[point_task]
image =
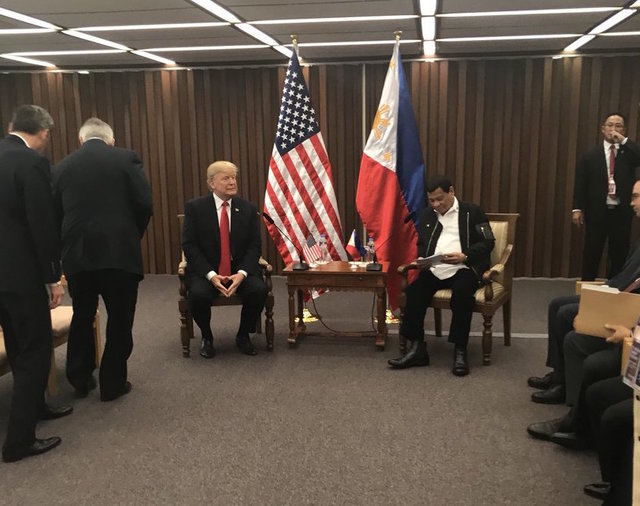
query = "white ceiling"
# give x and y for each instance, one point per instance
(83, 13)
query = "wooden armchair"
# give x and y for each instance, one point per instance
(496, 286)
(186, 320)
(60, 323)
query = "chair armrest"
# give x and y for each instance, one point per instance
(265, 266)
(492, 273)
(403, 270)
(182, 266)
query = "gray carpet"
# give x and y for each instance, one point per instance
(324, 423)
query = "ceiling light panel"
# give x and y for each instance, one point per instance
(428, 25)
(29, 20)
(161, 26)
(217, 10)
(612, 21)
(281, 9)
(29, 61)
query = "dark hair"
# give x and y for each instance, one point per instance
(624, 119)
(438, 181)
(31, 119)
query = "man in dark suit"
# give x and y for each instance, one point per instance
(104, 204)
(459, 231)
(221, 240)
(29, 277)
(560, 384)
(604, 177)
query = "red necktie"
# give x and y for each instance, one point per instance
(225, 250)
(612, 165)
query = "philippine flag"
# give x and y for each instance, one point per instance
(390, 195)
(354, 246)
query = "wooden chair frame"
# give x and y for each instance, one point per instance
(488, 308)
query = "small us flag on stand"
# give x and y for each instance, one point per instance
(300, 196)
(311, 251)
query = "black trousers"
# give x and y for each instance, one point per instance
(26, 323)
(561, 312)
(601, 365)
(119, 291)
(616, 229)
(463, 285)
(201, 293)
(610, 405)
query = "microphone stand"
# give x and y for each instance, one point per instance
(301, 265)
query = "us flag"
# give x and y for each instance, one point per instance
(311, 251)
(300, 196)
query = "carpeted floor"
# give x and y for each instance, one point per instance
(324, 423)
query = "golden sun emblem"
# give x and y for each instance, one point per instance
(380, 123)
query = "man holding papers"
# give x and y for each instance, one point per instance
(562, 312)
(458, 237)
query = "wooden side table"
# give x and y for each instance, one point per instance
(337, 276)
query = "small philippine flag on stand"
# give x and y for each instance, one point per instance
(354, 246)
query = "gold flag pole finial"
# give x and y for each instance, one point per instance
(294, 41)
(398, 35)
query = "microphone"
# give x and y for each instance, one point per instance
(297, 266)
(375, 266)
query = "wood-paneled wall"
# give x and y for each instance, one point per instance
(508, 132)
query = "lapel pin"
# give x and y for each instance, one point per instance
(236, 209)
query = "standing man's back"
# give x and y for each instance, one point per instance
(104, 202)
(29, 262)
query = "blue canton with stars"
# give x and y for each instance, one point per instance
(297, 120)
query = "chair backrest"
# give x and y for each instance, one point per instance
(503, 226)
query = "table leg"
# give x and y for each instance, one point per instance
(292, 317)
(381, 296)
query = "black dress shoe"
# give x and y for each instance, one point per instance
(206, 348)
(245, 346)
(570, 440)
(599, 490)
(544, 430)
(460, 363)
(542, 383)
(113, 396)
(36, 448)
(553, 395)
(51, 413)
(82, 390)
(417, 356)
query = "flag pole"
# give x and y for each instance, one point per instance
(294, 41)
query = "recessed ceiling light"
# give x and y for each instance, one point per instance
(30, 61)
(256, 34)
(154, 57)
(428, 7)
(97, 40)
(284, 50)
(217, 10)
(613, 20)
(165, 26)
(27, 19)
(25, 31)
(511, 37)
(342, 19)
(579, 43)
(428, 27)
(527, 12)
(428, 47)
(204, 48)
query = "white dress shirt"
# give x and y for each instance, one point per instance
(218, 201)
(449, 241)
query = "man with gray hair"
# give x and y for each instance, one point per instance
(104, 204)
(29, 277)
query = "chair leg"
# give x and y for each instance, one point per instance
(506, 316)
(437, 320)
(268, 322)
(186, 331)
(486, 339)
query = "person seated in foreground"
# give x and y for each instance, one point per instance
(562, 312)
(459, 231)
(601, 418)
(221, 241)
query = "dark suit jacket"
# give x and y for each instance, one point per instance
(29, 241)
(201, 236)
(591, 183)
(104, 204)
(476, 237)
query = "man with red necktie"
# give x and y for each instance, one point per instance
(221, 241)
(604, 178)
